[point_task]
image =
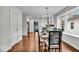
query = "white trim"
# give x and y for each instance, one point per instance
(77, 36)
(73, 45)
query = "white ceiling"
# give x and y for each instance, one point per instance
(39, 11)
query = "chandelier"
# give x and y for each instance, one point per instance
(47, 16)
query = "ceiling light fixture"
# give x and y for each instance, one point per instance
(47, 16)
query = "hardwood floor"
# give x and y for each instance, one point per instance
(30, 43)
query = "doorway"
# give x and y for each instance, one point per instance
(35, 26)
(28, 29)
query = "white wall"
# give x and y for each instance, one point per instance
(54, 21)
(31, 25)
(71, 36)
(42, 23)
(24, 25)
(4, 28)
(68, 29)
(59, 23)
(10, 27)
(76, 27)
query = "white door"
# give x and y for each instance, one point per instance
(13, 25)
(19, 25)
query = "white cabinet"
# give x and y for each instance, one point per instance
(10, 27)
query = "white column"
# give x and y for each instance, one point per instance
(59, 23)
(65, 23)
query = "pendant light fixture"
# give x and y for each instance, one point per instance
(47, 16)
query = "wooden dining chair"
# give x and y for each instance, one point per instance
(41, 43)
(54, 41)
(39, 40)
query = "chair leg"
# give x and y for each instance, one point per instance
(56, 50)
(45, 48)
(48, 49)
(59, 50)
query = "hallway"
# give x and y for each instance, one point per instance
(31, 44)
(17, 21)
(39, 29)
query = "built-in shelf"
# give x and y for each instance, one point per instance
(77, 36)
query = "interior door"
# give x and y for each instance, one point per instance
(28, 27)
(19, 25)
(35, 26)
(13, 25)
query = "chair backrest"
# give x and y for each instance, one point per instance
(55, 29)
(55, 37)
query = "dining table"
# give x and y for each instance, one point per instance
(45, 40)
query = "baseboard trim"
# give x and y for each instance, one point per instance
(71, 47)
(11, 49)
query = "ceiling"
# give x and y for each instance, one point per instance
(39, 11)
